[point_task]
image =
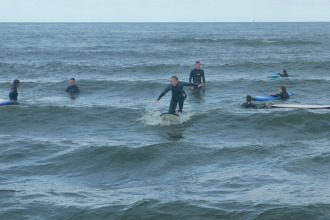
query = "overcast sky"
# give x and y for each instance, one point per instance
(163, 10)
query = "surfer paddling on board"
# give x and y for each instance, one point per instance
(178, 94)
(197, 74)
(249, 104)
(13, 93)
(283, 74)
(282, 93)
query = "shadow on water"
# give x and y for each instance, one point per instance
(73, 96)
(174, 132)
(196, 95)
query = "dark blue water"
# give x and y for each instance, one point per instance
(108, 155)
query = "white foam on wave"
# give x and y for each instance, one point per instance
(152, 117)
(269, 41)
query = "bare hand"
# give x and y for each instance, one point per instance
(200, 85)
(157, 101)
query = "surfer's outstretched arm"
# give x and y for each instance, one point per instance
(168, 88)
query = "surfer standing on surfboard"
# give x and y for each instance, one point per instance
(197, 74)
(178, 94)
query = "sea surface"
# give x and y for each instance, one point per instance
(108, 155)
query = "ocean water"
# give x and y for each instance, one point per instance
(108, 155)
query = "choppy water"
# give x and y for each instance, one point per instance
(108, 155)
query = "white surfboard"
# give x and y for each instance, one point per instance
(302, 106)
(169, 117)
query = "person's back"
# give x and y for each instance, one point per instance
(249, 104)
(284, 73)
(13, 93)
(282, 93)
(73, 88)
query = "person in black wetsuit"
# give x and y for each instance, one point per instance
(282, 93)
(197, 74)
(249, 104)
(178, 94)
(13, 93)
(283, 74)
(73, 88)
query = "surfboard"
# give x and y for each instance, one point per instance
(8, 102)
(267, 97)
(275, 76)
(169, 117)
(302, 106)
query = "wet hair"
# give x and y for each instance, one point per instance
(197, 62)
(248, 98)
(73, 79)
(284, 70)
(175, 77)
(16, 82)
(283, 88)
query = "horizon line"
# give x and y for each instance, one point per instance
(164, 21)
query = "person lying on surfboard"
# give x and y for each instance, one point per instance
(283, 94)
(249, 104)
(283, 74)
(178, 94)
(13, 93)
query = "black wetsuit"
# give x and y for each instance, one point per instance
(13, 94)
(178, 95)
(196, 76)
(249, 105)
(252, 105)
(283, 74)
(72, 89)
(283, 95)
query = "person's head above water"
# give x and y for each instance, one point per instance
(284, 71)
(282, 89)
(248, 99)
(174, 80)
(72, 81)
(16, 83)
(198, 65)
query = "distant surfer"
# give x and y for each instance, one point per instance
(282, 93)
(197, 75)
(283, 74)
(249, 104)
(73, 88)
(13, 93)
(178, 94)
